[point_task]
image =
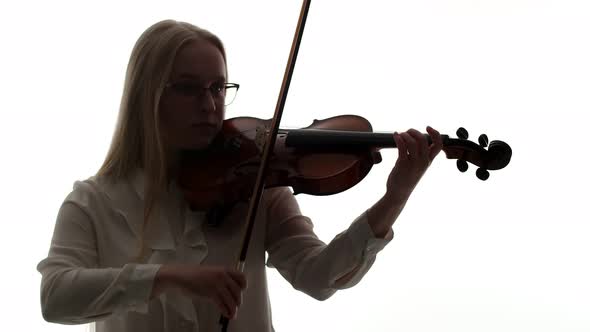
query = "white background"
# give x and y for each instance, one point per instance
(508, 254)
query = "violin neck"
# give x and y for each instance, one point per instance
(333, 139)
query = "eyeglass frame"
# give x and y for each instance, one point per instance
(226, 85)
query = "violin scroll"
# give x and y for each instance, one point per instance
(497, 156)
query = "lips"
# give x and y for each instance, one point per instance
(204, 125)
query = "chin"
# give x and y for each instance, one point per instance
(199, 144)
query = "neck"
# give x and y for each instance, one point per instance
(330, 139)
(172, 164)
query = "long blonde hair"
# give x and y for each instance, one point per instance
(137, 141)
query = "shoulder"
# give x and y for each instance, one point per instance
(95, 192)
(277, 192)
(280, 202)
(84, 191)
(277, 196)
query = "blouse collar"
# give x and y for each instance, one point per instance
(159, 233)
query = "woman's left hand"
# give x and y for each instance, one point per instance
(415, 156)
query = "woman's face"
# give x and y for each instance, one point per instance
(191, 112)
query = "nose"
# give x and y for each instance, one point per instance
(207, 102)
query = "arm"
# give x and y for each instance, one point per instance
(415, 156)
(74, 290)
(310, 265)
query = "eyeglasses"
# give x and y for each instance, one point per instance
(221, 92)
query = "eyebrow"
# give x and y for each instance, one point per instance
(196, 77)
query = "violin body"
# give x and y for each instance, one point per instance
(225, 172)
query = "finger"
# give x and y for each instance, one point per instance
(411, 144)
(401, 146)
(239, 278)
(235, 290)
(226, 297)
(421, 143)
(222, 308)
(437, 143)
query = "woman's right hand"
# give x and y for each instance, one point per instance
(222, 285)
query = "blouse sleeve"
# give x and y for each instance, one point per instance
(310, 265)
(74, 290)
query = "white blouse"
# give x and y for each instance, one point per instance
(89, 274)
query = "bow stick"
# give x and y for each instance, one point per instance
(269, 146)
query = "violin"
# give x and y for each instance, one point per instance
(327, 157)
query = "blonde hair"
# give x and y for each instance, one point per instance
(137, 140)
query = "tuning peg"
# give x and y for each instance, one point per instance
(482, 174)
(462, 133)
(462, 165)
(483, 140)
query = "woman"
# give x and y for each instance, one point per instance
(127, 252)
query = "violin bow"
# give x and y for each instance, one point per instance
(269, 146)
